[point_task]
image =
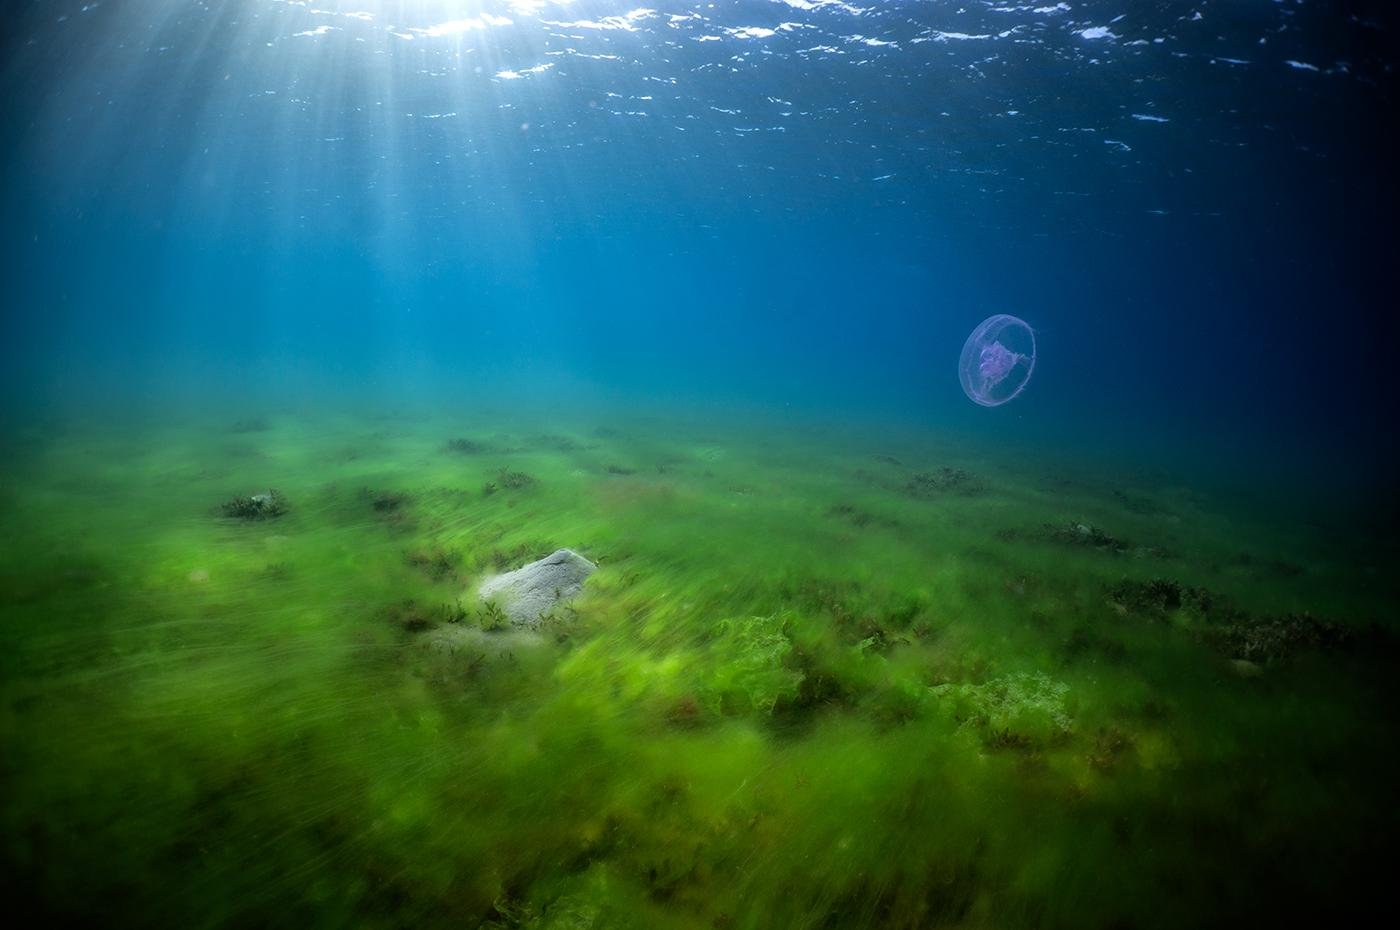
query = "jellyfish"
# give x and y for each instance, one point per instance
(997, 360)
(996, 363)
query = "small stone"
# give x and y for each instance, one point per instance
(1246, 669)
(530, 592)
(261, 506)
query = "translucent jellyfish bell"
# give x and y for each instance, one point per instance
(997, 360)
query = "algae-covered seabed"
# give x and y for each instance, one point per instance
(818, 681)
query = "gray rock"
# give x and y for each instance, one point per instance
(1246, 669)
(528, 593)
(261, 506)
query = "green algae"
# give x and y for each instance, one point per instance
(795, 694)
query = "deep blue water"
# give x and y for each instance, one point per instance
(793, 206)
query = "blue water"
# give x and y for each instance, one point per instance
(319, 316)
(798, 207)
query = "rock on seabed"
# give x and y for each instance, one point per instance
(530, 592)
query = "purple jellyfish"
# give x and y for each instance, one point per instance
(997, 360)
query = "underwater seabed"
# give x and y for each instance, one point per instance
(815, 682)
